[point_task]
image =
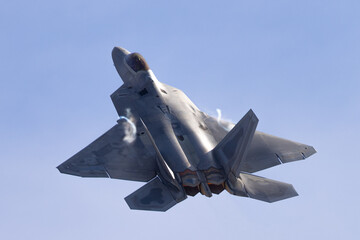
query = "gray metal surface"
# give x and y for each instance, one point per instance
(161, 135)
(232, 150)
(110, 155)
(267, 190)
(265, 150)
(154, 196)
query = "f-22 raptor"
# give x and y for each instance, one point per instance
(163, 139)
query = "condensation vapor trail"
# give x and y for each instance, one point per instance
(219, 115)
(227, 127)
(130, 129)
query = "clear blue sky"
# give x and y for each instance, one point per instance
(295, 63)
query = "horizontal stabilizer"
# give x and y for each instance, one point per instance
(267, 190)
(153, 196)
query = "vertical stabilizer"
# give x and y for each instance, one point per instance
(233, 148)
(231, 152)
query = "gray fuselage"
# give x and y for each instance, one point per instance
(184, 140)
(182, 136)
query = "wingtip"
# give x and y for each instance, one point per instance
(60, 168)
(309, 150)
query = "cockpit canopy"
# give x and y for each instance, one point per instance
(136, 62)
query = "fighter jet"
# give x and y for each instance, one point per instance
(163, 139)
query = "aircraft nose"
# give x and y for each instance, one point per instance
(118, 54)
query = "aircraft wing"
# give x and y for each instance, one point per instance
(112, 156)
(265, 150)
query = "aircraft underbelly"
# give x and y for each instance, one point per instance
(167, 142)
